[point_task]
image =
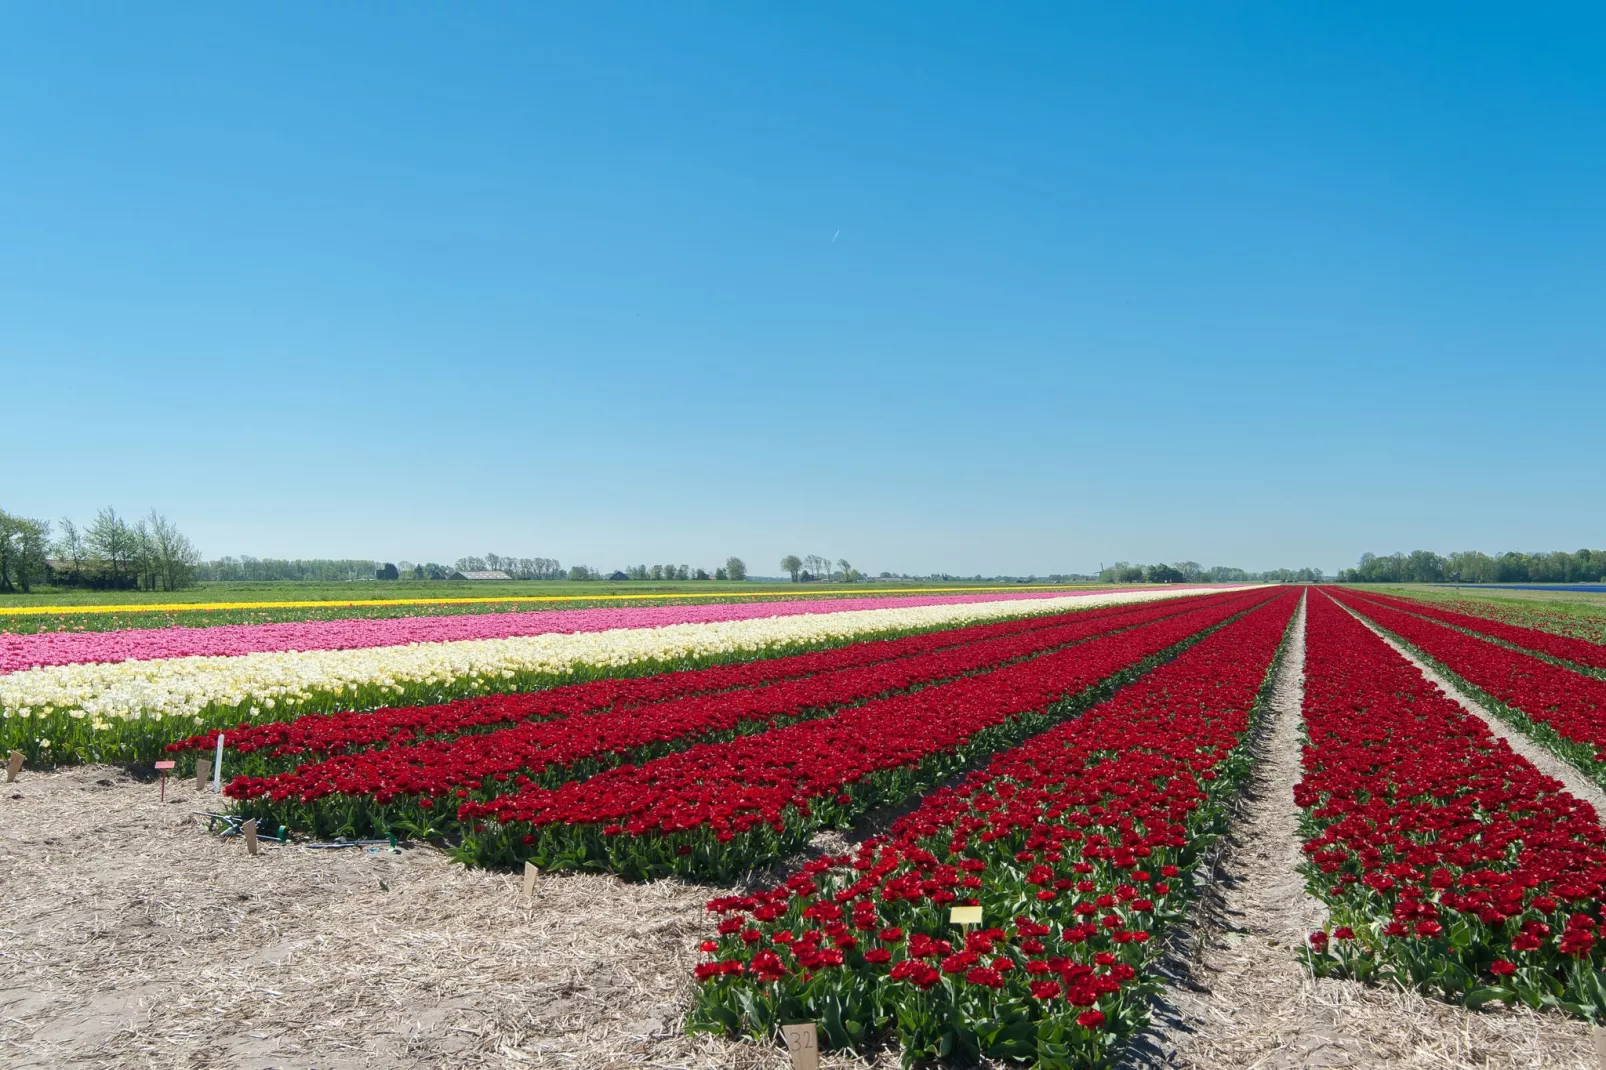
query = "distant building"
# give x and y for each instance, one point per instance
(618, 576)
(491, 574)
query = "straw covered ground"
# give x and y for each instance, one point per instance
(131, 937)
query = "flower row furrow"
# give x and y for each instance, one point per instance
(1580, 651)
(130, 710)
(1570, 705)
(558, 749)
(1449, 863)
(1077, 846)
(718, 809)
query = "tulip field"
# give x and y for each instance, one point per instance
(125, 695)
(839, 777)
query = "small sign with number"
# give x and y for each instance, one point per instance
(250, 830)
(529, 882)
(964, 915)
(803, 1042)
(14, 766)
(203, 772)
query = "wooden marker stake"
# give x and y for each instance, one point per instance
(14, 766)
(250, 830)
(803, 1043)
(1600, 1044)
(529, 882)
(203, 772)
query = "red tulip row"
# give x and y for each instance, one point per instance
(1580, 651)
(717, 810)
(1077, 846)
(1449, 863)
(346, 732)
(555, 750)
(1564, 709)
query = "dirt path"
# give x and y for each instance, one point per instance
(131, 938)
(1245, 1001)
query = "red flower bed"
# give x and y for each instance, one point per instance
(1581, 651)
(1544, 696)
(719, 809)
(551, 751)
(338, 733)
(1078, 847)
(1450, 863)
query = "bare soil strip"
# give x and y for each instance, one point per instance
(131, 938)
(1245, 1001)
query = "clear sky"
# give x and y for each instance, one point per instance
(925, 286)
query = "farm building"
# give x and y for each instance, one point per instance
(488, 574)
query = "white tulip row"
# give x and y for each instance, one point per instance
(288, 680)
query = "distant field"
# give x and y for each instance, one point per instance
(269, 602)
(1565, 612)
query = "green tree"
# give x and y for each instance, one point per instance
(1121, 572)
(173, 557)
(113, 546)
(24, 544)
(70, 548)
(1423, 566)
(736, 568)
(793, 564)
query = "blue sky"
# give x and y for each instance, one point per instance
(926, 286)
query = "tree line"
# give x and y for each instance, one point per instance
(520, 568)
(814, 568)
(517, 568)
(734, 568)
(248, 569)
(109, 553)
(1193, 572)
(1474, 566)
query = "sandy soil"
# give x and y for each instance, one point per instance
(131, 937)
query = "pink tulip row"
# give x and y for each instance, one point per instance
(19, 652)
